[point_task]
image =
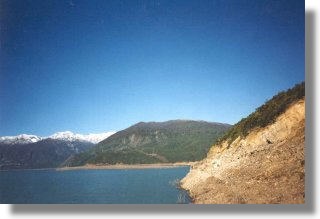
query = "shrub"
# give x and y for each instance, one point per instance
(265, 114)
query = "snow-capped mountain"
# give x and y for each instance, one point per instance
(20, 139)
(31, 151)
(66, 136)
(96, 138)
(70, 136)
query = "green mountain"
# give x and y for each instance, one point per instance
(154, 142)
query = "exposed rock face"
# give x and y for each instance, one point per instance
(267, 166)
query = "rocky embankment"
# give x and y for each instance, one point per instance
(267, 166)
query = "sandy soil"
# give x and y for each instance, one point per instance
(128, 166)
(266, 167)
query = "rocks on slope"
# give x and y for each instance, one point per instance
(267, 166)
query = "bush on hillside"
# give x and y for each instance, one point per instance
(265, 114)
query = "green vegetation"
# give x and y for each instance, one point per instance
(111, 157)
(265, 114)
(155, 142)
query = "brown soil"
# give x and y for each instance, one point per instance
(266, 167)
(128, 166)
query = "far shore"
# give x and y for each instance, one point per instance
(127, 166)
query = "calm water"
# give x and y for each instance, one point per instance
(93, 186)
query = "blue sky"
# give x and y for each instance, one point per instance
(94, 66)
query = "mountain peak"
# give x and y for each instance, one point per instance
(65, 136)
(70, 136)
(20, 139)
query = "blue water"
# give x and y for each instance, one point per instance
(136, 186)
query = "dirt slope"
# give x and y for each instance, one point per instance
(267, 166)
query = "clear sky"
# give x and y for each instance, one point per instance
(94, 66)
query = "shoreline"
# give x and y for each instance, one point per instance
(126, 166)
(111, 167)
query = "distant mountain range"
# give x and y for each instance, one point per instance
(30, 151)
(154, 142)
(65, 136)
(151, 142)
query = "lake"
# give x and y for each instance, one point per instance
(125, 186)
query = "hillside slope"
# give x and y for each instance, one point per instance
(264, 166)
(155, 142)
(47, 153)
